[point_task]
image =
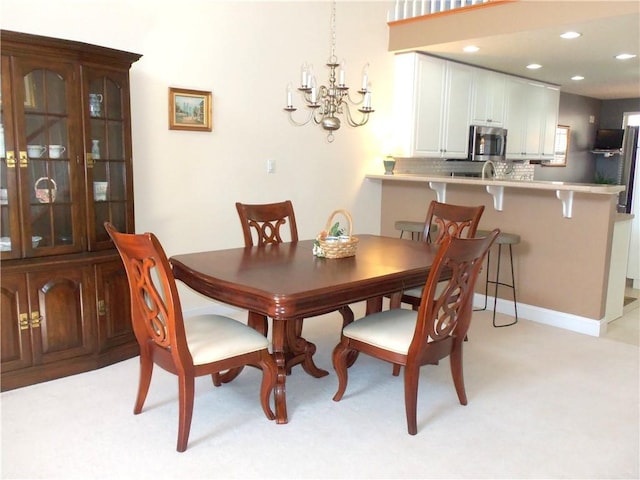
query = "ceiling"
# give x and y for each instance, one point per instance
(512, 34)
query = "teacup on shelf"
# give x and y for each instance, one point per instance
(56, 151)
(36, 151)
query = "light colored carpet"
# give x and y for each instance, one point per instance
(543, 403)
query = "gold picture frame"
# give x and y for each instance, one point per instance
(190, 110)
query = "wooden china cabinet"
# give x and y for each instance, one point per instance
(65, 169)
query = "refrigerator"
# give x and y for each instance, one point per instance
(627, 167)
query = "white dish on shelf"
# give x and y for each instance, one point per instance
(5, 243)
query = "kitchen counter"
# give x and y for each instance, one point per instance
(532, 184)
(571, 237)
(564, 190)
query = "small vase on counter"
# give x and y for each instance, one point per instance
(389, 165)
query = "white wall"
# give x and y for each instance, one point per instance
(186, 183)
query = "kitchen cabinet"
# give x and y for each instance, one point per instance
(488, 98)
(432, 101)
(66, 169)
(532, 117)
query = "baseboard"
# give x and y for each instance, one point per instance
(568, 321)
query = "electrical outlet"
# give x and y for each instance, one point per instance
(271, 166)
(592, 119)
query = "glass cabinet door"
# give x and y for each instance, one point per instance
(109, 176)
(47, 123)
(9, 209)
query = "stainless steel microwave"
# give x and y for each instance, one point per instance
(487, 143)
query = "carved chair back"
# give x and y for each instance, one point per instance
(446, 306)
(266, 221)
(450, 220)
(156, 312)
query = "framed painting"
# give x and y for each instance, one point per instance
(190, 110)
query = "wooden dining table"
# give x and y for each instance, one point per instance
(287, 282)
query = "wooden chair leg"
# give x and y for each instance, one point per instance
(186, 388)
(455, 358)
(396, 369)
(227, 376)
(269, 376)
(146, 371)
(411, 376)
(340, 358)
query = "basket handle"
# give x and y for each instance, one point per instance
(346, 215)
(55, 187)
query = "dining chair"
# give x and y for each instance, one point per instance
(416, 338)
(444, 220)
(187, 347)
(266, 221)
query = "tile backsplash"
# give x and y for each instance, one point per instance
(437, 166)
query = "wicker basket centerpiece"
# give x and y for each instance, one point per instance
(334, 241)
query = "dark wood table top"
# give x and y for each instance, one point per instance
(286, 281)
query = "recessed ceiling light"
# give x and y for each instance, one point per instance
(471, 49)
(625, 56)
(534, 66)
(570, 35)
(577, 77)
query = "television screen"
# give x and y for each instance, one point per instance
(609, 139)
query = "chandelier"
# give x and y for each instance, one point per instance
(326, 102)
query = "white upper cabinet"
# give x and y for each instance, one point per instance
(532, 116)
(455, 136)
(551, 106)
(488, 98)
(432, 101)
(436, 100)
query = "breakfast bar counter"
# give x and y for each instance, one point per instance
(563, 262)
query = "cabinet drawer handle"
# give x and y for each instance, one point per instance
(102, 309)
(24, 321)
(36, 319)
(23, 160)
(11, 159)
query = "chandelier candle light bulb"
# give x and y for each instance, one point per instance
(289, 96)
(365, 77)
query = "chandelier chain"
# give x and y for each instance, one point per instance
(333, 58)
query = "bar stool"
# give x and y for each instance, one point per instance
(416, 228)
(509, 239)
